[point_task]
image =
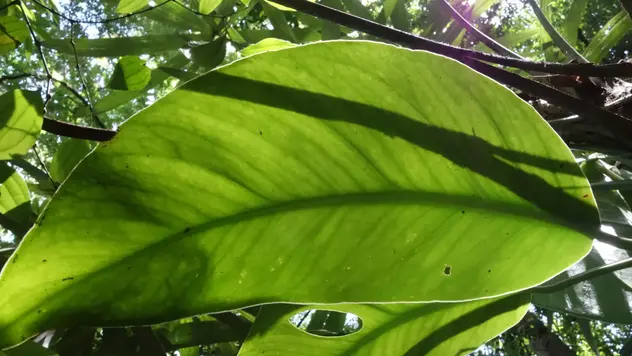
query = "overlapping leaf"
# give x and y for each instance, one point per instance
(15, 202)
(13, 32)
(305, 175)
(20, 122)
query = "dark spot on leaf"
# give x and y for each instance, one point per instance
(126, 166)
(585, 195)
(187, 230)
(15, 258)
(489, 271)
(462, 211)
(39, 311)
(43, 260)
(260, 133)
(128, 268)
(68, 279)
(447, 270)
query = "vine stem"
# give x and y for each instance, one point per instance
(584, 276)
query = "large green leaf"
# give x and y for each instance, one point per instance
(391, 329)
(207, 6)
(13, 32)
(130, 6)
(122, 46)
(20, 122)
(609, 35)
(607, 298)
(211, 54)
(270, 181)
(179, 17)
(130, 73)
(118, 98)
(15, 202)
(69, 153)
(281, 27)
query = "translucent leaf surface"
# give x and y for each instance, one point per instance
(20, 122)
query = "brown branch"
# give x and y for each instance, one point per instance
(415, 42)
(488, 41)
(76, 131)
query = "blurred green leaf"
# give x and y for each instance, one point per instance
(608, 37)
(130, 73)
(68, 155)
(390, 329)
(267, 44)
(574, 20)
(399, 16)
(195, 333)
(207, 6)
(209, 55)
(13, 32)
(179, 17)
(15, 203)
(281, 27)
(130, 6)
(356, 8)
(28, 348)
(118, 98)
(20, 122)
(269, 181)
(122, 46)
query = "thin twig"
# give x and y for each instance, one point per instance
(106, 20)
(81, 78)
(12, 3)
(14, 76)
(582, 277)
(43, 166)
(76, 131)
(560, 41)
(415, 42)
(38, 45)
(488, 41)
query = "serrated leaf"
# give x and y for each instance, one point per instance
(211, 54)
(130, 6)
(267, 44)
(15, 202)
(20, 122)
(67, 156)
(269, 181)
(13, 32)
(404, 329)
(121, 46)
(130, 73)
(608, 37)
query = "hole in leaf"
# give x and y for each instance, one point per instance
(328, 323)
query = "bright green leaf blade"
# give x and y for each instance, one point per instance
(266, 180)
(606, 298)
(130, 73)
(13, 32)
(68, 155)
(15, 202)
(279, 6)
(20, 122)
(207, 6)
(254, 36)
(574, 20)
(608, 37)
(268, 44)
(118, 98)
(130, 6)
(210, 55)
(121, 46)
(391, 329)
(389, 6)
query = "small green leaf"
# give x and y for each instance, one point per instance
(118, 98)
(400, 17)
(355, 7)
(130, 73)
(122, 46)
(15, 202)
(210, 55)
(13, 32)
(281, 27)
(68, 155)
(574, 20)
(20, 122)
(267, 44)
(608, 37)
(130, 6)
(391, 329)
(179, 17)
(207, 6)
